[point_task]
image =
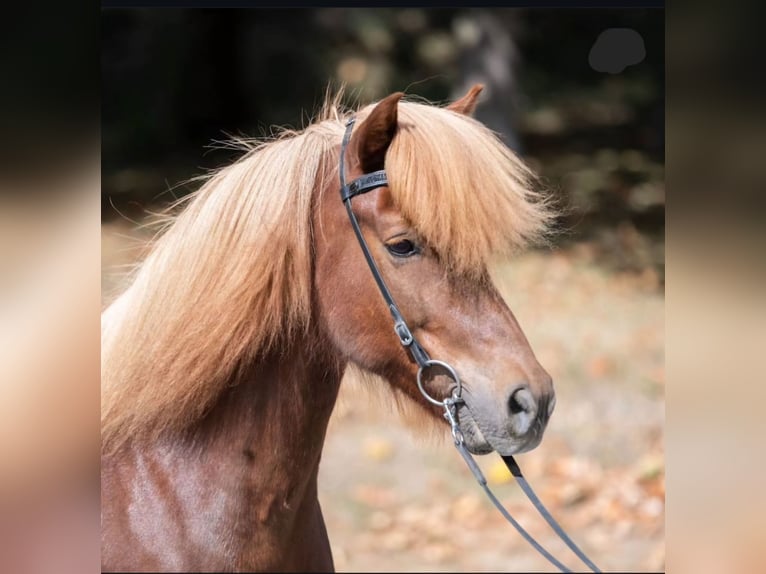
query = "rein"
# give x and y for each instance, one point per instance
(367, 183)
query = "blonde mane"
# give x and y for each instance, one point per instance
(233, 270)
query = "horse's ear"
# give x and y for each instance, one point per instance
(467, 104)
(374, 135)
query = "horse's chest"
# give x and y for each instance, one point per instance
(206, 518)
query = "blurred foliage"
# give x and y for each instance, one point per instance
(176, 81)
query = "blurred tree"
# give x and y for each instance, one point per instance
(174, 81)
(489, 56)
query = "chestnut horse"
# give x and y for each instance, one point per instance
(222, 360)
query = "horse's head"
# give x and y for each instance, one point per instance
(458, 317)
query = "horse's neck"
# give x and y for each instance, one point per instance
(278, 408)
(264, 441)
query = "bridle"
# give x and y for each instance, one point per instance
(369, 182)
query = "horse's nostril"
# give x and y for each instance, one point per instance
(521, 401)
(514, 405)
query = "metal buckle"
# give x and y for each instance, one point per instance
(405, 336)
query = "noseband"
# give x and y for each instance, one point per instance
(369, 182)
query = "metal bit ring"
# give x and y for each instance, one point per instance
(431, 362)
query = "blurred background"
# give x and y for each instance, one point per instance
(592, 305)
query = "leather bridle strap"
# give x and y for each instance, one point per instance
(511, 464)
(361, 185)
(366, 183)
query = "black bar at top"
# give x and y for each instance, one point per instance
(614, 4)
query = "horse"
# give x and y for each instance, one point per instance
(223, 358)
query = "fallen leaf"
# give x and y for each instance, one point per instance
(498, 473)
(378, 449)
(375, 496)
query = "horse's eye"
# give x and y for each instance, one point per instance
(403, 248)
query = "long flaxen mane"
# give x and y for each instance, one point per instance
(234, 269)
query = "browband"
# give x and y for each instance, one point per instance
(366, 183)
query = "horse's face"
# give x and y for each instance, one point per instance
(508, 395)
